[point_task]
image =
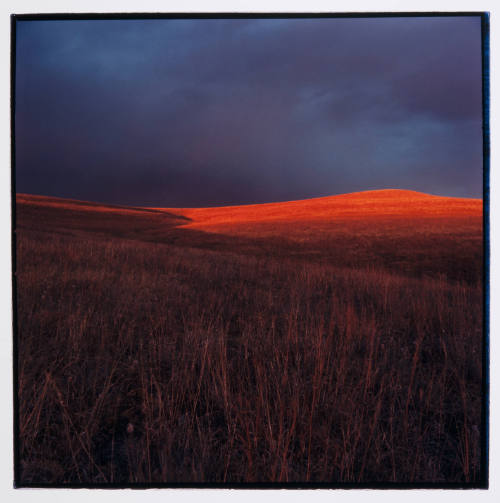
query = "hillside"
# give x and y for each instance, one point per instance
(333, 340)
(401, 231)
(374, 204)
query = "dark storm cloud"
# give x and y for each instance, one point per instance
(207, 112)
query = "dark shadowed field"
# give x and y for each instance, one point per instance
(336, 340)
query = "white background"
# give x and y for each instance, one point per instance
(6, 410)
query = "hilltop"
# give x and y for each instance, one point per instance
(357, 205)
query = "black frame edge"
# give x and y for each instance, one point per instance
(234, 15)
(485, 47)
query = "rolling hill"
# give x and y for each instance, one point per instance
(399, 230)
(332, 340)
(376, 204)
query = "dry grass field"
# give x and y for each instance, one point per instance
(334, 340)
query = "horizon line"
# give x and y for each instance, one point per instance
(138, 206)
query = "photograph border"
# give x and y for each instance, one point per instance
(485, 433)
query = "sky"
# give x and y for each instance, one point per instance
(208, 112)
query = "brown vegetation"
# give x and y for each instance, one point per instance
(182, 346)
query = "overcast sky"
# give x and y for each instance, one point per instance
(212, 112)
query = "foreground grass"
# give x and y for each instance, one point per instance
(144, 362)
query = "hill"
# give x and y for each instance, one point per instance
(334, 340)
(374, 204)
(401, 231)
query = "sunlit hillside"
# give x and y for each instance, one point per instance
(366, 205)
(334, 340)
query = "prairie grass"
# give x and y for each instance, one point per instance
(143, 361)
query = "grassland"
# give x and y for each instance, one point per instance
(335, 340)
